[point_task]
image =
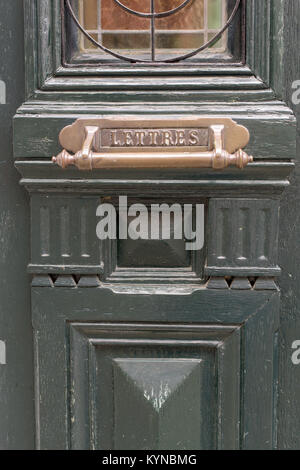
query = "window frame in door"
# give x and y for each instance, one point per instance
(46, 71)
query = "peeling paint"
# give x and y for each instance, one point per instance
(2, 92)
(159, 396)
(6, 230)
(2, 353)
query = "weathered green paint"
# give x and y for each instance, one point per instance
(16, 376)
(270, 123)
(289, 374)
(210, 319)
(96, 313)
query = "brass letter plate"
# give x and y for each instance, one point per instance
(153, 143)
(151, 138)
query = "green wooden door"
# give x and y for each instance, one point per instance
(141, 343)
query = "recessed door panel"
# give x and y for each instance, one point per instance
(142, 381)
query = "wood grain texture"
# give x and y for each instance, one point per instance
(289, 375)
(245, 236)
(16, 376)
(271, 125)
(256, 94)
(209, 317)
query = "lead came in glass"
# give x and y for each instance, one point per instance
(152, 30)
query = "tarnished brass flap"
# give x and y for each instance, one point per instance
(139, 135)
(123, 143)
